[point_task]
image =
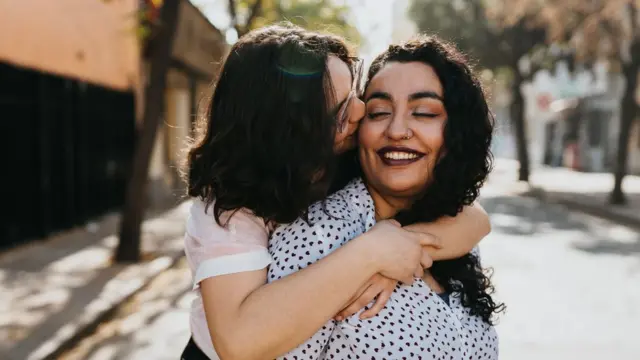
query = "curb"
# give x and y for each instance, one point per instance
(62, 340)
(609, 213)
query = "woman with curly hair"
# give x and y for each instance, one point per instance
(286, 102)
(423, 151)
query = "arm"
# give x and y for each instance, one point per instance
(280, 315)
(459, 234)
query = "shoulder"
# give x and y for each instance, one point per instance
(336, 212)
(213, 250)
(241, 225)
(330, 224)
(350, 202)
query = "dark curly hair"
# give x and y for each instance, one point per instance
(267, 142)
(461, 171)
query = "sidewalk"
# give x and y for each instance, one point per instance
(586, 192)
(55, 291)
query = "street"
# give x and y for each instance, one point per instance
(571, 283)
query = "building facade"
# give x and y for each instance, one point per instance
(72, 80)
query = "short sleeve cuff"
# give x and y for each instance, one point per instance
(232, 264)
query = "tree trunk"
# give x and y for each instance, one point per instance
(627, 116)
(133, 212)
(517, 117)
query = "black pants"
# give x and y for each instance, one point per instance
(193, 352)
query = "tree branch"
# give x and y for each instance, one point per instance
(253, 14)
(633, 13)
(234, 15)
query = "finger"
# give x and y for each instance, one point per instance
(350, 310)
(409, 279)
(351, 303)
(380, 303)
(394, 222)
(430, 240)
(426, 261)
(419, 271)
(365, 299)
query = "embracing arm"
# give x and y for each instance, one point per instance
(459, 234)
(278, 316)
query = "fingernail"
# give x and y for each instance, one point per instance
(339, 318)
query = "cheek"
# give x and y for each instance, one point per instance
(367, 135)
(357, 110)
(432, 135)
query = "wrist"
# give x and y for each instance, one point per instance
(368, 252)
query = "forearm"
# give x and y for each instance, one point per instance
(280, 315)
(459, 234)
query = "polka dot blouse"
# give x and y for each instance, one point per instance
(415, 324)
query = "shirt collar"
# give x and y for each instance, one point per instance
(361, 201)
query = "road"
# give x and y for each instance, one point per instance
(571, 283)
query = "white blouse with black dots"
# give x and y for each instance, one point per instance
(415, 324)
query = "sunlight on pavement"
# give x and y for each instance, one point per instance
(152, 325)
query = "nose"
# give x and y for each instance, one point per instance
(357, 111)
(397, 128)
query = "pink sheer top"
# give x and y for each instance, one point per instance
(213, 250)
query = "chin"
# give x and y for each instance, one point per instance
(403, 188)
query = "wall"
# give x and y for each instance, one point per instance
(90, 40)
(198, 44)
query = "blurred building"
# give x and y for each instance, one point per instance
(71, 88)
(574, 119)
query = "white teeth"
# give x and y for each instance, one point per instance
(399, 155)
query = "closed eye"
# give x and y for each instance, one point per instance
(427, 115)
(373, 115)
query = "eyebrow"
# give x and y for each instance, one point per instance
(379, 95)
(415, 96)
(425, 94)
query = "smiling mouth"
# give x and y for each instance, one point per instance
(399, 156)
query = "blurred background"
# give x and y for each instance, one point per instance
(98, 97)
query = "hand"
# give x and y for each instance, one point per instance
(398, 252)
(432, 283)
(379, 288)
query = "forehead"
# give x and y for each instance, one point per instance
(403, 79)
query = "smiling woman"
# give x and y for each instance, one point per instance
(401, 136)
(423, 149)
(431, 104)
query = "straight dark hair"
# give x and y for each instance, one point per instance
(267, 142)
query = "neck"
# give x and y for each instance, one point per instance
(387, 207)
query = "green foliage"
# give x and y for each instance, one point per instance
(318, 15)
(451, 20)
(490, 31)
